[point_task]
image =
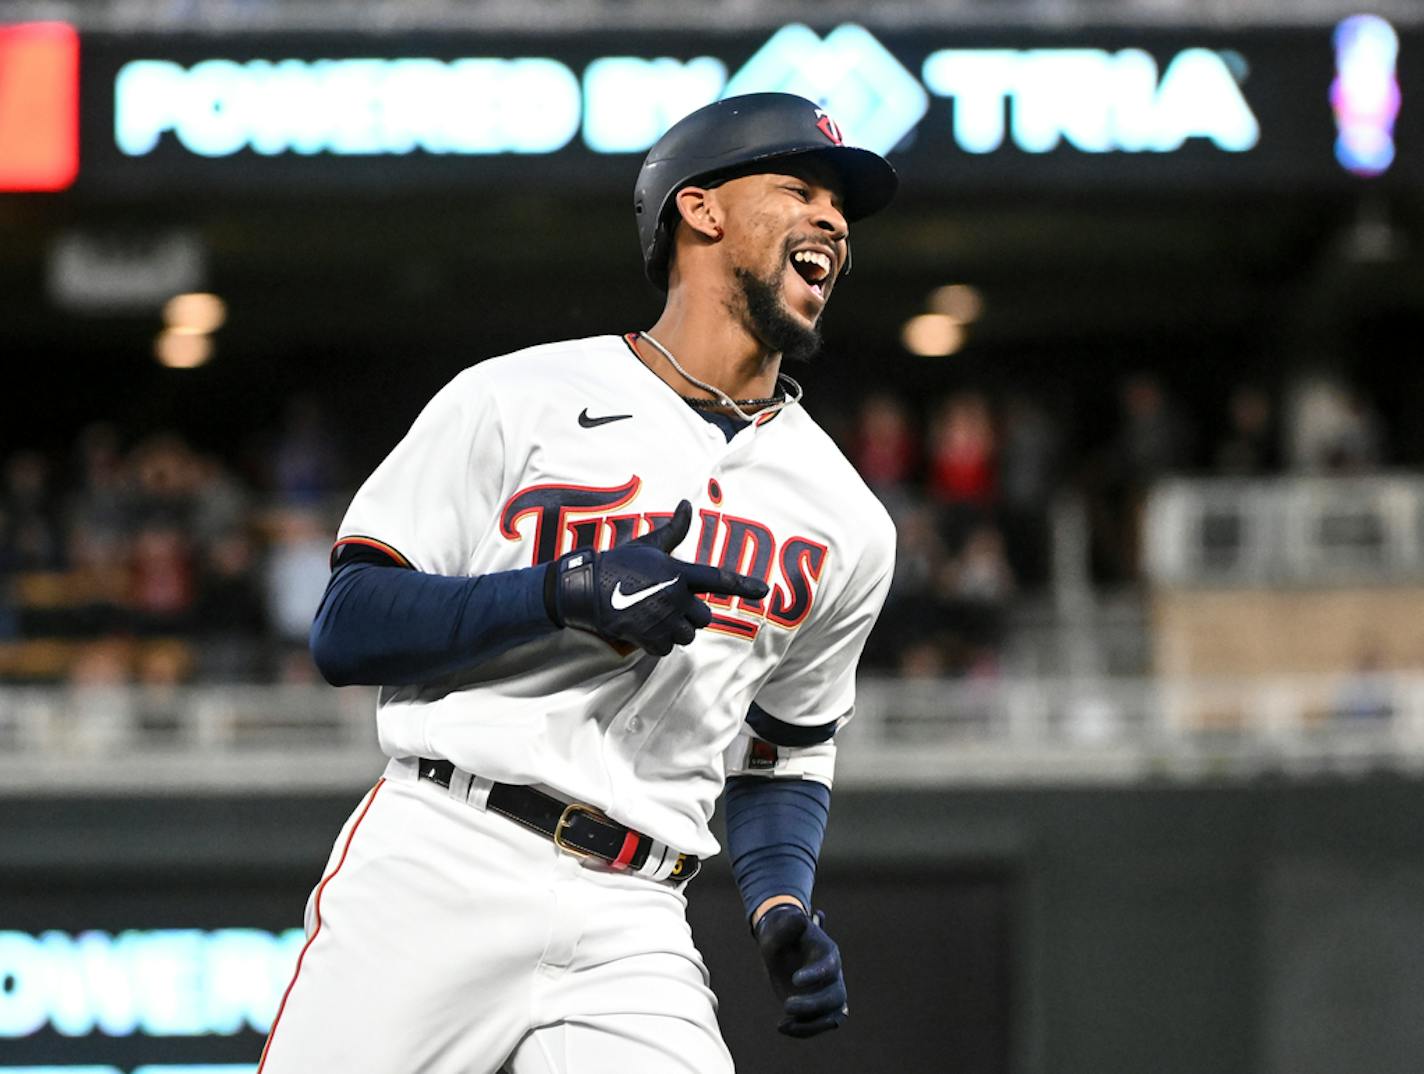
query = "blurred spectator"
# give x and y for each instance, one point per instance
(161, 580)
(99, 541)
(100, 583)
(885, 449)
(980, 573)
(920, 552)
(99, 509)
(164, 477)
(923, 658)
(31, 530)
(297, 569)
(945, 613)
(230, 613)
(1332, 428)
(977, 587)
(1153, 440)
(220, 503)
(961, 460)
(1028, 474)
(305, 463)
(1249, 448)
(912, 610)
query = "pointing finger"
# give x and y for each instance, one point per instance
(704, 579)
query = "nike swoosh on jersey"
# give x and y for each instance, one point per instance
(621, 600)
(593, 423)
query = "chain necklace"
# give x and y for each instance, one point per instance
(790, 396)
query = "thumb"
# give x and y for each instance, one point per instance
(670, 534)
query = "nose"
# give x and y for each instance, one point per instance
(828, 218)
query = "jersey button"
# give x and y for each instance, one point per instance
(634, 724)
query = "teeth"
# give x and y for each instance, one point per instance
(813, 257)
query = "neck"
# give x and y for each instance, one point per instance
(712, 346)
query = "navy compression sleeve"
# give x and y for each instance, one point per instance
(774, 833)
(391, 626)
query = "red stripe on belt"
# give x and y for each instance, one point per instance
(625, 855)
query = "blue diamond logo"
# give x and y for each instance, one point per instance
(850, 74)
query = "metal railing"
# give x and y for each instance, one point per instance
(907, 733)
(1299, 530)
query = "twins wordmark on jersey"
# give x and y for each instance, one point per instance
(559, 518)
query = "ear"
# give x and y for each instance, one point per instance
(700, 211)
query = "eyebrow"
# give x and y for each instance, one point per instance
(804, 176)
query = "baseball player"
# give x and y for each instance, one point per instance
(599, 582)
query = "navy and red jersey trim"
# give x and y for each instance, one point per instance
(738, 628)
(351, 549)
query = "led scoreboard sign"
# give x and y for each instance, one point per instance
(954, 110)
(1090, 99)
(77, 1000)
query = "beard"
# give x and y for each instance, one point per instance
(770, 320)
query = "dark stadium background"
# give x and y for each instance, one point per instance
(1241, 917)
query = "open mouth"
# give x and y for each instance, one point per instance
(814, 267)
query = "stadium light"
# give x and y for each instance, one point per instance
(182, 350)
(959, 301)
(932, 335)
(195, 314)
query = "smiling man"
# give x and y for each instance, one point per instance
(572, 673)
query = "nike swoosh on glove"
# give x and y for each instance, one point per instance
(638, 592)
(804, 965)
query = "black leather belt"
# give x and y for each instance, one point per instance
(579, 829)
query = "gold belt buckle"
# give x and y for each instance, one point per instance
(565, 819)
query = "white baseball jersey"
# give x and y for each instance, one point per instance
(525, 457)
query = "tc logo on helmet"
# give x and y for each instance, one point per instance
(829, 127)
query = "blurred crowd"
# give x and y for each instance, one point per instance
(156, 563)
(973, 481)
(151, 561)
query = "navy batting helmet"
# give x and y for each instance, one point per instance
(740, 136)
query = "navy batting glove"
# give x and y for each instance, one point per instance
(638, 593)
(805, 969)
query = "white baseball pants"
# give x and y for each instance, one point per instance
(449, 940)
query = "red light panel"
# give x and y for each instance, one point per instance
(39, 106)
